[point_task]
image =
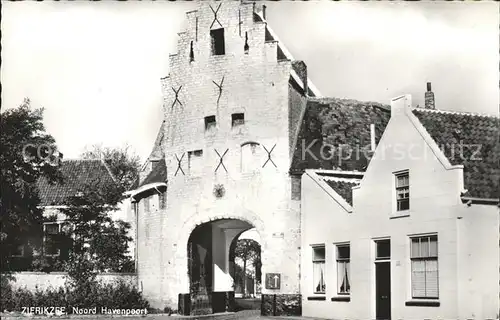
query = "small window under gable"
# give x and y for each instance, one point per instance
(402, 191)
(210, 122)
(218, 45)
(237, 119)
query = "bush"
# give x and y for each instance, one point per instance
(6, 291)
(117, 295)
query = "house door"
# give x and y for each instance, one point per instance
(383, 290)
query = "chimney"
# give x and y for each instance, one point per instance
(264, 11)
(429, 98)
(301, 69)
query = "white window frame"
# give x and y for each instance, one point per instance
(401, 189)
(59, 223)
(338, 261)
(318, 261)
(424, 258)
(382, 259)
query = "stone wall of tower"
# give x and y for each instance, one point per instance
(201, 84)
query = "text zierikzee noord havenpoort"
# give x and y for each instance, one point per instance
(82, 311)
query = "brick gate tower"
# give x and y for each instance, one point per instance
(232, 103)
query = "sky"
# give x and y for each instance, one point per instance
(96, 66)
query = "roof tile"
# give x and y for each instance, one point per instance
(335, 134)
(470, 140)
(76, 174)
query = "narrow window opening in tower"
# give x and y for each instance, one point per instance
(246, 48)
(191, 53)
(218, 46)
(237, 119)
(210, 122)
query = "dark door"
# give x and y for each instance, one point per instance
(383, 290)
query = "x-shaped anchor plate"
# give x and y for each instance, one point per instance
(179, 166)
(176, 96)
(221, 159)
(269, 156)
(215, 15)
(220, 88)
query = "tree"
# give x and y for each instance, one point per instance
(123, 162)
(28, 154)
(96, 242)
(248, 250)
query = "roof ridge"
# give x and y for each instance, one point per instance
(337, 171)
(337, 179)
(364, 103)
(463, 113)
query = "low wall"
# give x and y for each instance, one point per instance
(42, 280)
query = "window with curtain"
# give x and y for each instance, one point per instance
(319, 284)
(343, 269)
(424, 267)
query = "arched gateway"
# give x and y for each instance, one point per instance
(211, 280)
(221, 162)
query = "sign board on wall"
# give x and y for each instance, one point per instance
(273, 280)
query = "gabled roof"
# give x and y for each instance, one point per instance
(158, 174)
(478, 137)
(76, 174)
(337, 184)
(340, 126)
(341, 182)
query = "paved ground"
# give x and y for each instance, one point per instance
(240, 315)
(247, 304)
